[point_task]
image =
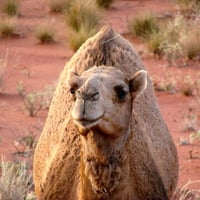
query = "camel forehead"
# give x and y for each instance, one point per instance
(104, 74)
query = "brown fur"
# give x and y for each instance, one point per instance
(145, 168)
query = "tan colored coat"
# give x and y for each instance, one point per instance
(153, 161)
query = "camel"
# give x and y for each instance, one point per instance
(105, 137)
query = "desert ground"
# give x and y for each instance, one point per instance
(34, 67)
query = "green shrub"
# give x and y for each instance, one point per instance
(7, 28)
(104, 3)
(45, 34)
(15, 183)
(11, 7)
(77, 38)
(143, 26)
(83, 14)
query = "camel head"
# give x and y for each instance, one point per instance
(103, 99)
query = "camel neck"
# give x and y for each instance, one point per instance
(103, 163)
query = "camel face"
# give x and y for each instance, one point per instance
(103, 99)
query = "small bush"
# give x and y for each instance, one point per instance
(191, 45)
(11, 7)
(188, 5)
(83, 14)
(20, 88)
(45, 34)
(171, 51)
(167, 84)
(77, 38)
(187, 86)
(104, 3)
(167, 41)
(155, 43)
(195, 136)
(190, 122)
(176, 29)
(58, 6)
(7, 28)
(32, 103)
(25, 145)
(143, 26)
(15, 183)
(36, 101)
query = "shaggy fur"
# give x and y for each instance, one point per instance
(147, 165)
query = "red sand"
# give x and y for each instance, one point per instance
(39, 66)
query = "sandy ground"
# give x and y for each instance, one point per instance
(39, 66)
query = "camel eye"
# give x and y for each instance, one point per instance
(121, 92)
(72, 90)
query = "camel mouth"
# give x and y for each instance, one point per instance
(88, 123)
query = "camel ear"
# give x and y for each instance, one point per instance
(138, 83)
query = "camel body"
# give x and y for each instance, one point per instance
(142, 165)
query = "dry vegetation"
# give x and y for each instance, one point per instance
(7, 27)
(179, 37)
(45, 33)
(15, 182)
(11, 7)
(83, 19)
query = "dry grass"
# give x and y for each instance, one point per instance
(185, 193)
(7, 27)
(83, 18)
(177, 38)
(187, 86)
(143, 26)
(190, 122)
(155, 43)
(77, 38)
(58, 6)
(45, 34)
(188, 5)
(191, 44)
(83, 13)
(25, 145)
(11, 7)
(36, 101)
(32, 103)
(104, 3)
(15, 182)
(166, 84)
